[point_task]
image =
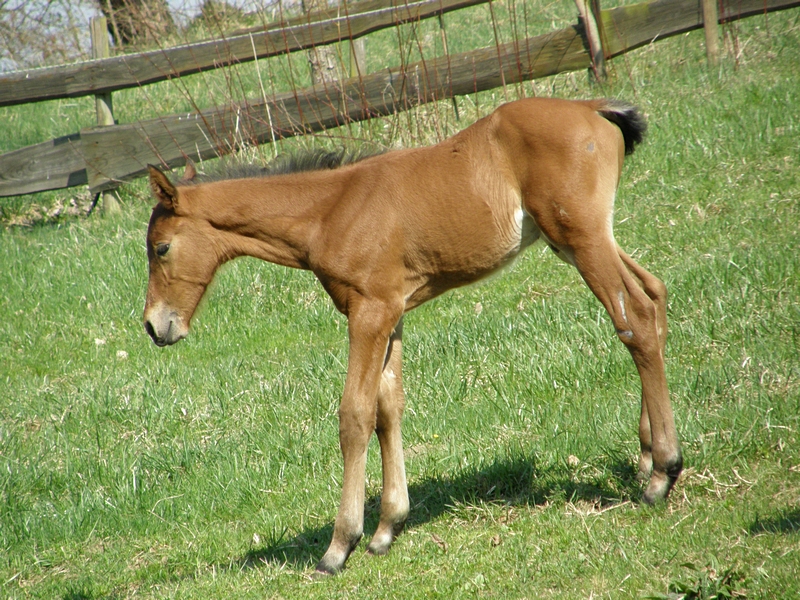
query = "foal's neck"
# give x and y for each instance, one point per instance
(272, 218)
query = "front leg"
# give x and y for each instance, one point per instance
(370, 327)
(391, 402)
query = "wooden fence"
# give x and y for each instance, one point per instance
(128, 71)
(104, 157)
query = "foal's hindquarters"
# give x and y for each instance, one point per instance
(572, 202)
(454, 213)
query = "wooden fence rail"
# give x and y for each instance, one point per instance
(104, 157)
(134, 70)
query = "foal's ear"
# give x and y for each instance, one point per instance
(190, 172)
(162, 188)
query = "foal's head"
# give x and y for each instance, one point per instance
(184, 249)
(182, 258)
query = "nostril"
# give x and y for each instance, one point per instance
(148, 327)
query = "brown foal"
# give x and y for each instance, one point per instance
(387, 233)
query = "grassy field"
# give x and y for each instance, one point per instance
(211, 469)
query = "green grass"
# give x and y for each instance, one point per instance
(211, 469)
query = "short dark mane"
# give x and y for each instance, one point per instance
(285, 164)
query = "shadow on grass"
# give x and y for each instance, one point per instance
(73, 595)
(515, 482)
(785, 521)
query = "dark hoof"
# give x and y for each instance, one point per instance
(383, 539)
(333, 560)
(658, 490)
(378, 550)
(653, 499)
(324, 571)
(662, 482)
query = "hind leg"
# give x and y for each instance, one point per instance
(635, 300)
(657, 292)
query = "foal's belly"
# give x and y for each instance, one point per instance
(521, 233)
(475, 253)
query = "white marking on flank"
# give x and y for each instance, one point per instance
(621, 297)
(526, 229)
(519, 215)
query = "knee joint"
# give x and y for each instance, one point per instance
(354, 423)
(658, 291)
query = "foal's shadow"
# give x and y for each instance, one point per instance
(782, 521)
(514, 482)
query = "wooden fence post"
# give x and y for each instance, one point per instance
(321, 58)
(103, 105)
(447, 53)
(711, 28)
(358, 57)
(594, 9)
(590, 11)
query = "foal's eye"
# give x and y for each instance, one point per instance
(162, 249)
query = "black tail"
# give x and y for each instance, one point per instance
(628, 118)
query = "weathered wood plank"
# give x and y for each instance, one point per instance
(341, 9)
(125, 152)
(635, 25)
(126, 71)
(51, 165)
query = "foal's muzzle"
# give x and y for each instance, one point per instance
(164, 327)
